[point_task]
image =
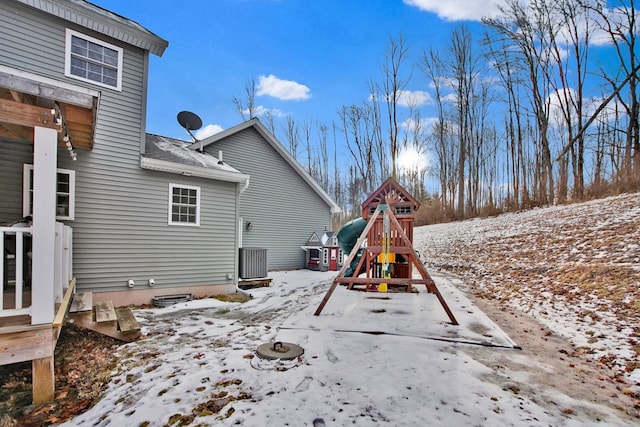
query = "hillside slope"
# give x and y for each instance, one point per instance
(574, 268)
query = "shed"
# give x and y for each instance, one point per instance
(322, 252)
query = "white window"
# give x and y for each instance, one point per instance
(325, 256)
(93, 60)
(65, 192)
(184, 205)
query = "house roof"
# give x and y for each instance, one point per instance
(102, 21)
(280, 149)
(174, 156)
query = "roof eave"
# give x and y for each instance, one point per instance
(188, 170)
(102, 21)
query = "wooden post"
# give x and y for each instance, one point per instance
(346, 264)
(44, 222)
(431, 286)
(43, 380)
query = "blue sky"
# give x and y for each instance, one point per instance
(308, 58)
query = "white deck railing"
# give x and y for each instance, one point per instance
(16, 270)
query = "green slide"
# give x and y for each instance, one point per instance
(347, 238)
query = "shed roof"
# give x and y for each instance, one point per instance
(390, 192)
(323, 237)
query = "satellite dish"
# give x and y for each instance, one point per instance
(190, 121)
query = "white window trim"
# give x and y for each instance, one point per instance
(170, 216)
(27, 187)
(67, 59)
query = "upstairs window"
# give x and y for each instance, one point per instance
(184, 205)
(65, 193)
(93, 60)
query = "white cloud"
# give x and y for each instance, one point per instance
(426, 124)
(451, 97)
(458, 10)
(261, 111)
(207, 131)
(286, 90)
(556, 101)
(416, 98)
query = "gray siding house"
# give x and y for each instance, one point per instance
(135, 215)
(90, 202)
(283, 204)
(148, 215)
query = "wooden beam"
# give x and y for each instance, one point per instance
(346, 263)
(389, 281)
(43, 380)
(17, 113)
(73, 114)
(32, 85)
(423, 271)
(17, 96)
(15, 132)
(66, 302)
(25, 343)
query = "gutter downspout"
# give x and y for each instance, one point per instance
(245, 186)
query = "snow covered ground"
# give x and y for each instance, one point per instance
(574, 268)
(395, 361)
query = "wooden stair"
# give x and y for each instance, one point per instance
(104, 318)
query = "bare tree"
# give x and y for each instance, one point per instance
(393, 83)
(357, 128)
(247, 111)
(463, 74)
(518, 26)
(324, 156)
(306, 134)
(510, 80)
(292, 133)
(380, 144)
(433, 67)
(619, 22)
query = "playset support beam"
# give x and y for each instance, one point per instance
(413, 258)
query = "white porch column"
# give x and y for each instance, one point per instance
(44, 224)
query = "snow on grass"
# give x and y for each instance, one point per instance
(574, 268)
(197, 364)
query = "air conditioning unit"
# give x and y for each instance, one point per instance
(253, 263)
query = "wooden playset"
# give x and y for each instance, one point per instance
(387, 258)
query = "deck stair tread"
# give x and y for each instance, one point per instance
(105, 312)
(82, 301)
(126, 320)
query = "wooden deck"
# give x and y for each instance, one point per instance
(21, 341)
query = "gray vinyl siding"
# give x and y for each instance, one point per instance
(282, 208)
(125, 233)
(121, 230)
(12, 156)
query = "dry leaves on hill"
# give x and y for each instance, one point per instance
(576, 268)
